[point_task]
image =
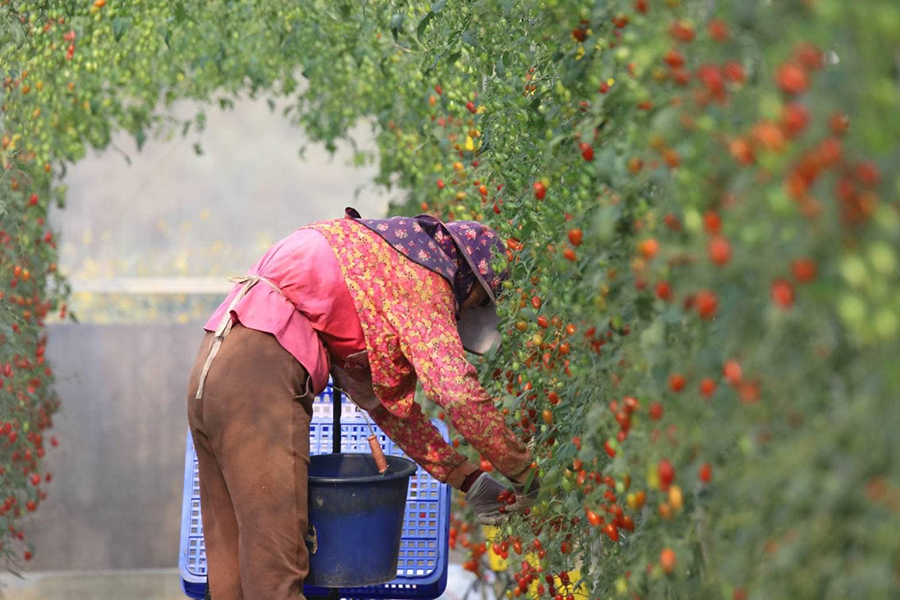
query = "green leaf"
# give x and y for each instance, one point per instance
(500, 67)
(180, 12)
(397, 25)
(119, 26)
(420, 28)
(140, 138)
(452, 58)
(531, 475)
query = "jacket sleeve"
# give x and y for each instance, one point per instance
(431, 343)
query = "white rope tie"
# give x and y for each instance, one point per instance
(227, 322)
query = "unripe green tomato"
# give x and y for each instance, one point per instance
(780, 202)
(883, 258)
(693, 222)
(853, 310)
(854, 270)
(886, 324)
(887, 218)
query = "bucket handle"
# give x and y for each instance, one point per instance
(374, 444)
(312, 540)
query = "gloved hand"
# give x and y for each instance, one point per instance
(483, 498)
(524, 499)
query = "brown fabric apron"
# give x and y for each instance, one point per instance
(250, 422)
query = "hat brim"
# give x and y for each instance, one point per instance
(478, 328)
(473, 266)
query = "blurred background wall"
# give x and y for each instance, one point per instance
(171, 216)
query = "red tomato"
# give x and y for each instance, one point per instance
(712, 222)
(794, 119)
(732, 371)
(719, 250)
(707, 304)
(631, 404)
(803, 269)
(782, 293)
(611, 531)
(609, 449)
(667, 560)
(587, 153)
(706, 472)
(792, 79)
(664, 290)
(718, 30)
(649, 248)
(666, 473)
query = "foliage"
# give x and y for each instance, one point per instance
(700, 203)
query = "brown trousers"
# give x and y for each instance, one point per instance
(251, 433)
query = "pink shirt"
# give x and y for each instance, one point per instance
(316, 308)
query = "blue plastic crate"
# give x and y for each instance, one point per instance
(422, 567)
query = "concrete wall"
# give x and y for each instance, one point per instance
(115, 501)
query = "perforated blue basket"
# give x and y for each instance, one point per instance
(422, 567)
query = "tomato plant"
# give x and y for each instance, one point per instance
(699, 202)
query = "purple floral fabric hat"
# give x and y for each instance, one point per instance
(464, 253)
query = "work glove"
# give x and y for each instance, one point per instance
(483, 497)
(525, 499)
